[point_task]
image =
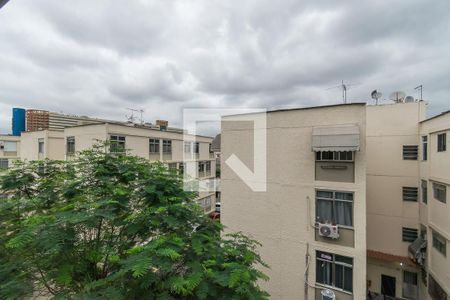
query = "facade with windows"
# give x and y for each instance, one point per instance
(386, 197)
(311, 220)
(151, 143)
(43, 144)
(435, 210)
(9, 151)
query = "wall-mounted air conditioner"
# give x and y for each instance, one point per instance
(328, 230)
(327, 295)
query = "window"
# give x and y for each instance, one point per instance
(439, 243)
(410, 193)
(167, 146)
(206, 203)
(172, 166)
(197, 148)
(117, 144)
(3, 163)
(409, 285)
(435, 290)
(153, 145)
(440, 192)
(181, 168)
(41, 146)
(210, 148)
(70, 145)
(208, 168)
(334, 155)
(188, 147)
(410, 152)
(409, 234)
(201, 167)
(10, 146)
(424, 147)
(424, 186)
(442, 142)
(334, 207)
(334, 270)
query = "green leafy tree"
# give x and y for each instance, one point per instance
(108, 226)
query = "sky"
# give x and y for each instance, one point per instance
(98, 58)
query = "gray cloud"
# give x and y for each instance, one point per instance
(99, 57)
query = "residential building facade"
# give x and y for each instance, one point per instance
(388, 198)
(311, 220)
(179, 151)
(9, 151)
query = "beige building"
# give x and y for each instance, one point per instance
(387, 196)
(311, 221)
(42, 144)
(9, 150)
(186, 153)
(434, 211)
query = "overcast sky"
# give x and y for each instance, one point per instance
(99, 57)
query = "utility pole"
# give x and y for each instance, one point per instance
(419, 88)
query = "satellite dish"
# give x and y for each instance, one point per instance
(375, 95)
(409, 99)
(398, 96)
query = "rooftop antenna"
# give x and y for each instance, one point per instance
(131, 117)
(344, 88)
(419, 88)
(376, 95)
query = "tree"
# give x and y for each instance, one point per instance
(111, 226)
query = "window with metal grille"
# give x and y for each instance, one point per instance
(3, 163)
(440, 192)
(442, 142)
(439, 243)
(70, 145)
(409, 289)
(153, 145)
(424, 147)
(167, 146)
(424, 186)
(187, 147)
(410, 152)
(435, 290)
(334, 155)
(410, 193)
(117, 144)
(197, 148)
(409, 234)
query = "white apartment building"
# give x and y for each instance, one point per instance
(386, 194)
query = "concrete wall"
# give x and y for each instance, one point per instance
(54, 145)
(282, 218)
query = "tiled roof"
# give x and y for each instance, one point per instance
(389, 257)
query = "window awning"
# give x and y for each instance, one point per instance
(336, 138)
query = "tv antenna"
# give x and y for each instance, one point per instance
(397, 97)
(131, 118)
(419, 88)
(344, 88)
(376, 95)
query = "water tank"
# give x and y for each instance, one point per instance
(18, 121)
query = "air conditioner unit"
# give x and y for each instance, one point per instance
(329, 230)
(327, 295)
